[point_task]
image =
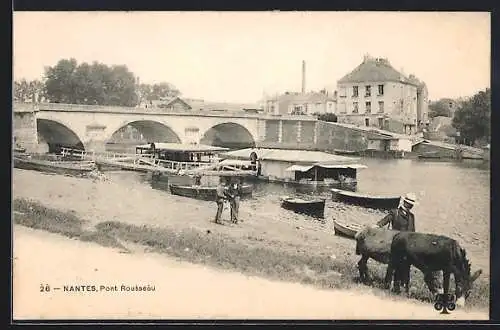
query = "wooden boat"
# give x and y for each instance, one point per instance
(71, 168)
(366, 200)
(345, 152)
(313, 207)
(430, 155)
(207, 193)
(346, 229)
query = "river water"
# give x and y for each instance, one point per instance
(453, 198)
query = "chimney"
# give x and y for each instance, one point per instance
(303, 77)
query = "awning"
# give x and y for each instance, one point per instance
(235, 162)
(300, 168)
(354, 166)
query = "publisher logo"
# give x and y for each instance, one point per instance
(444, 303)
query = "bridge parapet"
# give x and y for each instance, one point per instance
(64, 107)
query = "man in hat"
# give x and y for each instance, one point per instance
(221, 195)
(401, 218)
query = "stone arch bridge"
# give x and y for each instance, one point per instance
(93, 127)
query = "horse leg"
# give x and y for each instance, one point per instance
(363, 268)
(407, 274)
(429, 279)
(389, 276)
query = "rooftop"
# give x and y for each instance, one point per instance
(183, 147)
(306, 98)
(377, 70)
(220, 106)
(299, 156)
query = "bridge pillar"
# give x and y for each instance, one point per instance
(95, 139)
(299, 130)
(261, 131)
(280, 131)
(24, 127)
(316, 129)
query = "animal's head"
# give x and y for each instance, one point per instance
(361, 234)
(466, 280)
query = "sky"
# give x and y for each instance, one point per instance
(241, 56)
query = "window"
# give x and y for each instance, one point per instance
(367, 121)
(342, 107)
(381, 122)
(380, 90)
(355, 107)
(368, 107)
(368, 91)
(355, 91)
(380, 106)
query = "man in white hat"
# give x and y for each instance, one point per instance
(401, 218)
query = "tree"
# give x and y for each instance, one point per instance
(439, 108)
(97, 83)
(330, 117)
(472, 119)
(28, 91)
(159, 91)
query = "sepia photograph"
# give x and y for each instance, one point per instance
(260, 165)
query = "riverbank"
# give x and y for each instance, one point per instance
(117, 215)
(181, 290)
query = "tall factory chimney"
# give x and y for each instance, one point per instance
(303, 77)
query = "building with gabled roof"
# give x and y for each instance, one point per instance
(375, 92)
(301, 103)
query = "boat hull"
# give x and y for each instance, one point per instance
(346, 230)
(374, 202)
(313, 208)
(309, 186)
(204, 193)
(49, 167)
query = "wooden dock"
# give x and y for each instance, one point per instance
(146, 163)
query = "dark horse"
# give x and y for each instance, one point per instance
(429, 252)
(375, 243)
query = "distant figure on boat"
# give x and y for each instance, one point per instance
(197, 180)
(402, 219)
(219, 199)
(153, 149)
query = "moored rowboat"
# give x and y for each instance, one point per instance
(204, 192)
(313, 207)
(346, 229)
(366, 200)
(71, 168)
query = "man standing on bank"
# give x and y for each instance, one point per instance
(235, 192)
(403, 219)
(219, 199)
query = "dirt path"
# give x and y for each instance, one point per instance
(182, 290)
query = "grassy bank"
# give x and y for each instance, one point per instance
(222, 251)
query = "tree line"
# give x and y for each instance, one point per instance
(95, 83)
(471, 118)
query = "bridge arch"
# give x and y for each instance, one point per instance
(55, 135)
(140, 132)
(230, 135)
